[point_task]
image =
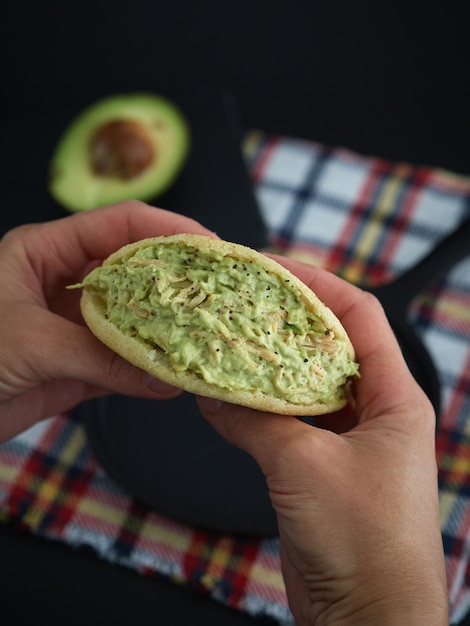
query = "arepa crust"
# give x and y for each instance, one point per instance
(157, 362)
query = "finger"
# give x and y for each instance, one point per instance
(386, 383)
(70, 244)
(335, 292)
(138, 221)
(72, 352)
(265, 436)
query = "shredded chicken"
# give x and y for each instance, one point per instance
(204, 316)
(137, 310)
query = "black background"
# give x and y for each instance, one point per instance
(389, 79)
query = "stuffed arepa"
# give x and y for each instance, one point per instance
(222, 320)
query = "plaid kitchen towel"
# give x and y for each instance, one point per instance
(363, 218)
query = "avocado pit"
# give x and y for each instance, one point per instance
(121, 148)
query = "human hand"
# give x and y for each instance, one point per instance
(355, 495)
(49, 361)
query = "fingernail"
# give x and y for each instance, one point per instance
(158, 386)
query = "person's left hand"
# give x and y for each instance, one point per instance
(49, 361)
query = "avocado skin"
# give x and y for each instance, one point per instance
(72, 181)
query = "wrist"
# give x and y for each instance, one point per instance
(392, 611)
(418, 599)
(397, 613)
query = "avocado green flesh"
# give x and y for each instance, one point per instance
(233, 323)
(74, 184)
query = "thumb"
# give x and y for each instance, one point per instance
(262, 435)
(73, 352)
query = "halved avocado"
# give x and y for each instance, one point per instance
(130, 146)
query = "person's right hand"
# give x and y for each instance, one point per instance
(356, 496)
(49, 360)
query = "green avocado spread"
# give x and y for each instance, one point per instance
(233, 323)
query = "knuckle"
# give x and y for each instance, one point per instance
(371, 300)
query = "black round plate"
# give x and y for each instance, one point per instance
(166, 455)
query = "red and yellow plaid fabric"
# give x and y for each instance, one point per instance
(365, 219)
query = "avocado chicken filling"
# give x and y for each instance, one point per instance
(233, 323)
